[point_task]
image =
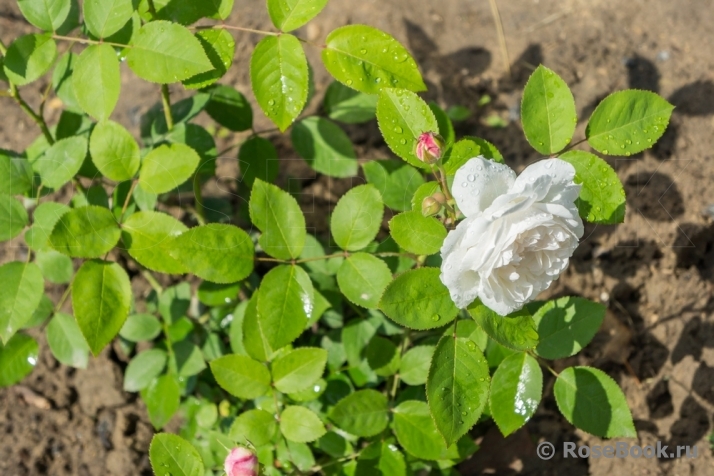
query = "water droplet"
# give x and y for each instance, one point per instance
(363, 51)
(349, 82)
(471, 177)
(271, 102)
(471, 345)
(398, 130)
(549, 164)
(479, 168)
(551, 95)
(403, 142)
(463, 413)
(435, 317)
(377, 80)
(465, 184)
(628, 141)
(605, 151)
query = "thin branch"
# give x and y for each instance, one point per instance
(236, 28)
(39, 120)
(126, 201)
(166, 101)
(501, 37)
(87, 41)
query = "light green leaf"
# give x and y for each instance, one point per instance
(230, 109)
(17, 359)
(114, 151)
(367, 59)
(628, 122)
(66, 341)
(258, 160)
(417, 434)
(13, 217)
(548, 112)
(396, 181)
(383, 356)
(165, 52)
(255, 338)
(104, 18)
(416, 233)
(325, 147)
(414, 368)
(87, 232)
(285, 301)
(602, 197)
(220, 47)
(46, 15)
(162, 398)
(516, 390)
(62, 80)
(426, 190)
(466, 149)
(212, 294)
(43, 311)
(279, 76)
(288, 15)
(391, 461)
(20, 295)
(101, 298)
(417, 299)
(516, 331)
(349, 106)
(143, 369)
(357, 218)
(15, 174)
(277, 214)
(171, 454)
(300, 424)
(256, 427)
(457, 386)
(149, 239)
(61, 162)
(566, 325)
(403, 117)
(56, 267)
(186, 359)
(362, 413)
(241, 376)
(592, 401)
(298, 369)
(140, 327)
(362, 278)
(167, 167)
(446, 127)
(96, 81)
(28, 58)
(45, 217)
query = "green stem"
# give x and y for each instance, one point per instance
(39, 120)
(87, 41)
(166, 101)
(126, 201)
(152, 281)
(237, 28)
(342, 254)
(198, 197)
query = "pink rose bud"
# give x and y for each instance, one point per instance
(429, 147)
(241, 462)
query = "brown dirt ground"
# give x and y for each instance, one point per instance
(655, 272)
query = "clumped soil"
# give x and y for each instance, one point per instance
(655, 272)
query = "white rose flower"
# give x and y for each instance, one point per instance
(518, 235)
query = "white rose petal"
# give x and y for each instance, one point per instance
(518, 235)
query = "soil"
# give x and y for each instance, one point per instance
(655, 272)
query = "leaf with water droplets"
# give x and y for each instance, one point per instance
(466, 149)
(277, 214)
(20, 295)
(298, 369)
(362, 278)
(416, 233)
(515, 331)
(171, 454)
(17, 359)
(220, 48)
(516, 390)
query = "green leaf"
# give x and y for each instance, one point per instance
(45, 217)
(548, 112)
(220, 47)
(426, 190)
(66, 341)
(143, 369)
(20, 295)
(171, 454)
(416, 233)
(15, 174)
(114, 151)
(62, 80)
(101, 298)
(300, 424)
(396, 181)
(46, 15)
(415, 364)
(602, 197)
(418, 300)
(460, 113)
(279, 76)
(140, 327)
(357, 218)
(256, 427)
(165, 52)
(167, 167)
(149, 239)
(298, 369)
(349, 106)
(516, 390)
(230, 109)
(186, 359)
(403, 117)
(13, 217)
(285, 301)
(162, 398)
(288, 15)
(457, 386)
(104, 18)
(628, 122)
(87, 232)
(516, 331)
(277, 214)
(61, 162)
(566, 325)
(255, 338)
(446, 128)
(212, 294)
(466, 149)
(56, 267)
(383, 356)
(325, 147)
(367, 59)
(96, 81)
(17, 359)
(362, 413)
(362, 278)
(241, 376)
(417, 434)
(258, 160)
(43, 311)
(592, 401)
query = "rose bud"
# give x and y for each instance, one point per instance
(430, 207)
(241, 462)
(429, 147)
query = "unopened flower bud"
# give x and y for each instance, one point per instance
(429, 147)
(439, 197)
(430, 207)
(241, 462)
